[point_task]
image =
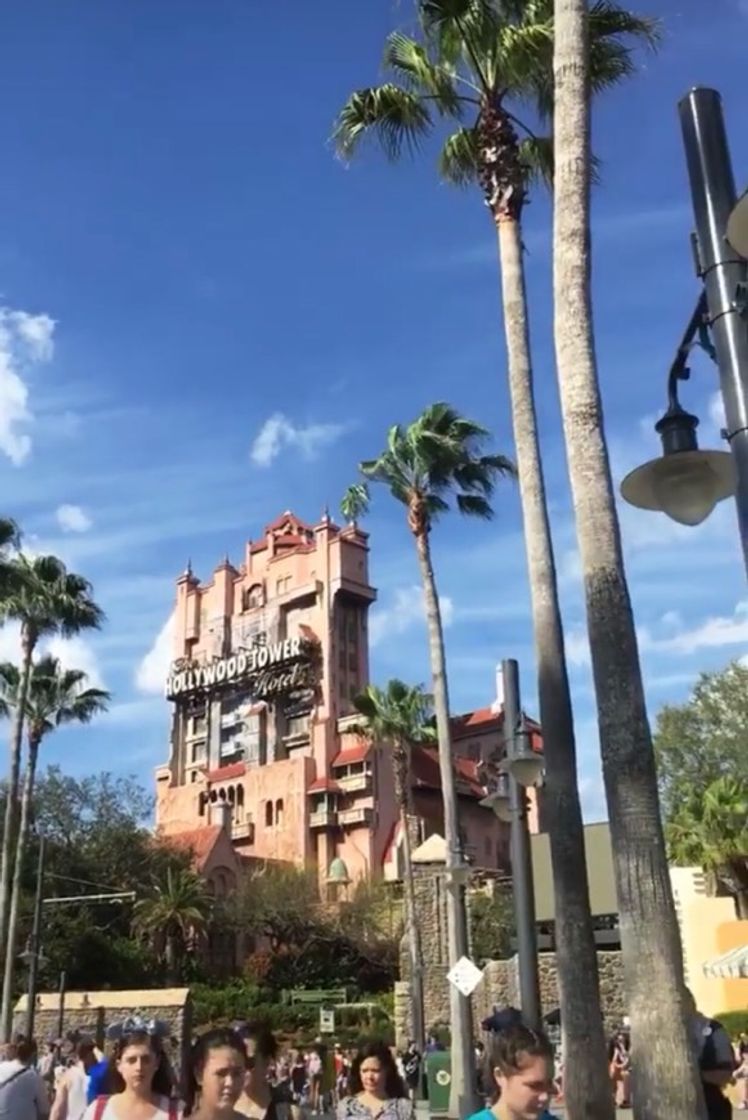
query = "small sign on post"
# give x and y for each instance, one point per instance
(465, 976)
(326, 1020)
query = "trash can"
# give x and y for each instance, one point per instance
(438, 1080)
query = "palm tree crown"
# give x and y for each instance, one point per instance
(437, 456)
(179, 906)
(56, 696)
(472, 60)
(48, 599)
(400, 715)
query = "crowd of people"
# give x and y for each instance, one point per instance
(239, 1072)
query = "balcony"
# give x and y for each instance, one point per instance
(243, 830)
(356, 816)
(355, 783)
(323, 818)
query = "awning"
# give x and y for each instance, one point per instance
(729, 966)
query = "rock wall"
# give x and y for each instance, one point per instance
(90, 1013)
(500, 984)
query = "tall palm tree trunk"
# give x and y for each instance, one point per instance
(586, 1085)
(462, 1089)
(6, 1009)
(402, 793)
(666, 1082)
(11, 800)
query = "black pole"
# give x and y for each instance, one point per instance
(521, 857)
(724, 272)
(61, 1007)
(34, 944)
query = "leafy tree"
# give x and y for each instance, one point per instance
(173, 916)
(10, 539)
(45, 599)
(666, 1081)
(491, 924)
(401, 715)
(703, 739)
(483, 65)
(56, 697)
(439, 457)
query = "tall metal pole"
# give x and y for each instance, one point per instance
(521, 857)
(724, 272)
(61, 1006)
(35, 944)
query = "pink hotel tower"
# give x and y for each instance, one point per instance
(267, 660)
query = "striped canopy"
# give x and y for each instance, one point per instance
(729, 966)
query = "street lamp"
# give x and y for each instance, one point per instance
(687, 483)
(737, 226)
(508, 800)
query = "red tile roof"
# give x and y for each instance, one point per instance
(470, 723)
(355, 753)
(200, 841)
(324, 785)
(426, 773)
(223, 773)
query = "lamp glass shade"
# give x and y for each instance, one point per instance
(737, 226)
(526, 768)
(685, 485)
(499, 804)
(338, 873)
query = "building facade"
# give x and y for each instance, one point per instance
(268, 658)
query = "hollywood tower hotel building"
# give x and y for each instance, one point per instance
(268, 658)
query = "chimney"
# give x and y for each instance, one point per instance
(220, 814)
(498, 705)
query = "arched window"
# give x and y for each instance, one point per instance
(269, 814)
(279, 811)
(240, 796)
(232, 794)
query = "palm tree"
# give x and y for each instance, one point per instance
(56, 696)
(710, 829)
(666, 1081)
(10, 539)
(45, 599)
(175, 913)
(400, 715)
(479, 59)
(439, 457)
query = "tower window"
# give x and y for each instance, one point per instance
(269, 814)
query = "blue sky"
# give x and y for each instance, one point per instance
(183, 261)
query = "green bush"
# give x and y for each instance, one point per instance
(734, 1022)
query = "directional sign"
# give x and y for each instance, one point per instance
(465, 976)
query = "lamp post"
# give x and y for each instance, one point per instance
(33, 955)
(685, 482)
(521, 768)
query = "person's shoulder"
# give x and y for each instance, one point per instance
(483, 1114)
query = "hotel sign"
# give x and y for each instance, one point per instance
(273, 669)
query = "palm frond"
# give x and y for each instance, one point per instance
(536, 157)
(465, 30)
(458, 159)
(355, 501)
(397, 118)
(608, 20)
(410, 62)
(473, 505)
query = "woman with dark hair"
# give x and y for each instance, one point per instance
(215, 1076)
(519, 1071)
(139, 1083)
(257, 1100)
(376, 1090)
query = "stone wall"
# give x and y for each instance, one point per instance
(90, 1013)
(500, 985)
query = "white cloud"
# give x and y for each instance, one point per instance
(577, 647)
(717, 411)
(25, 340)
(406, 610)
(278, 432)
(72, 519)
(76, 653)
(151, 673)
(714, 632)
